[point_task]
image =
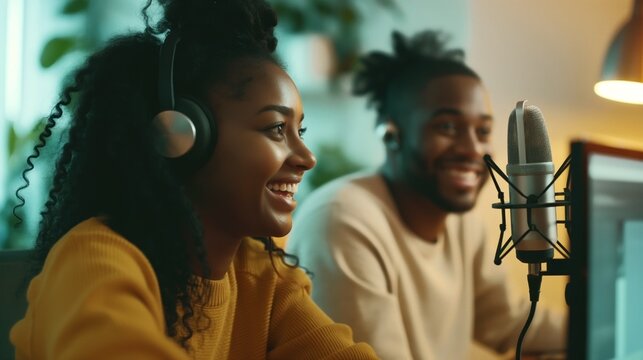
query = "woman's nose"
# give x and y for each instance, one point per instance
(301, 157)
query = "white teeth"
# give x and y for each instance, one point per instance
(465, 175)
(290, 188)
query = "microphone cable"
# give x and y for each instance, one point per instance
(534, 281)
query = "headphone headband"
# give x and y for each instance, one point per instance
(166, 71)
(186, 132)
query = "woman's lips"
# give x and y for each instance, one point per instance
(283, 195)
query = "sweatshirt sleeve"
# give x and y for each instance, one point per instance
(96, 298)
(299, 329)
(352, 282)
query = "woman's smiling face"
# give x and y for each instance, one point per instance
(247, 187)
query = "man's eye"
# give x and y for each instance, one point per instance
(447, 127)
(484, 131)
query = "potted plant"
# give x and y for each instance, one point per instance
(337, 21)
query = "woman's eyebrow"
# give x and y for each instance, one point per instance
(285, 110)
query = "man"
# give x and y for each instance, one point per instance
(396, 254)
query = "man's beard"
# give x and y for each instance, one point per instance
(425, 182)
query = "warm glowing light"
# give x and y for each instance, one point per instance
(623, 91)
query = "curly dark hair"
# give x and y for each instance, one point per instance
(108, 165)
(385, 77)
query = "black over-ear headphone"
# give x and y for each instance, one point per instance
(186, 129)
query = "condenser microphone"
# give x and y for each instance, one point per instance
(531, 171)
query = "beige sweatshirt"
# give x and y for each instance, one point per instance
(408, 298)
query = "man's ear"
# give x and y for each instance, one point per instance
(387, 131)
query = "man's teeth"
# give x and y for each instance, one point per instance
(291, 188)
(467, 175)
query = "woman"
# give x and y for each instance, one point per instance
(145, 247)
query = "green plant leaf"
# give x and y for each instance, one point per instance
(389, 4)
(290, 16)
(392, 6)
(16, 142)
(323, 8)
(332, 163)
(34, 133)
(13, 139)
(348, 15)
(75, 6)
(56, 48)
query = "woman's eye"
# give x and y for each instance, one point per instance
(302, 131)
(277, 130)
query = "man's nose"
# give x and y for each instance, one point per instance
(469, 144)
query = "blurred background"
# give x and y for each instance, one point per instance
(549, 52)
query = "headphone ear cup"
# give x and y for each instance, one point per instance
(205, 134)
(186, 136)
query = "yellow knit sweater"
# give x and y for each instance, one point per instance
(97, 297)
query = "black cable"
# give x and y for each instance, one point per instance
(534, 282)
(532, 311)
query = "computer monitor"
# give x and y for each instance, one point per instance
(606, 276)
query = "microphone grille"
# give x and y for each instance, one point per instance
(537, 147)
